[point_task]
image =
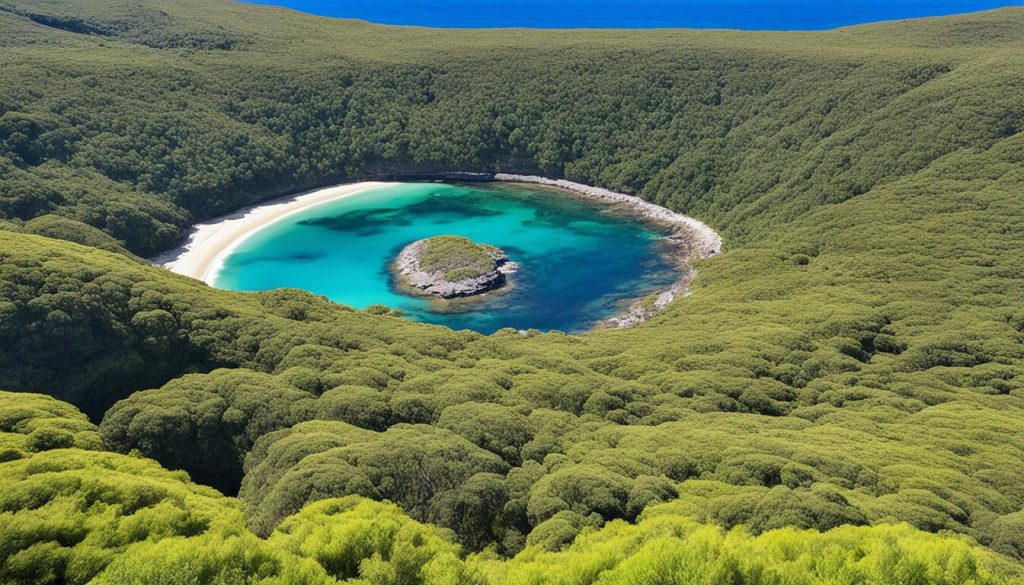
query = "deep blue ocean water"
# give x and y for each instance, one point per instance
(580, 262)
(737, 14)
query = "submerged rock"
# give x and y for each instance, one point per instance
(452, 266)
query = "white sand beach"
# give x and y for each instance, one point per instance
(209, 243)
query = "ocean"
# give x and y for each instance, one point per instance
(733, 14)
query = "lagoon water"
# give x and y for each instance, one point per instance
(737, 14)
(580, 261)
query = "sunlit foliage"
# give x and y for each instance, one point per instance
(839, 400)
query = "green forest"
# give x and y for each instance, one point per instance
(840, 400)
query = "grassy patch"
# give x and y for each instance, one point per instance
(457, 258)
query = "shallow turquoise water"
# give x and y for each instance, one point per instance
(579, 261)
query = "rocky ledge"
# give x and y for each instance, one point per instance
(689, 239)
(452, 266)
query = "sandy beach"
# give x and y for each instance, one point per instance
(209, 243)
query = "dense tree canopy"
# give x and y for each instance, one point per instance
(840, 399)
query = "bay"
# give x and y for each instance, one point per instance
(580, 261)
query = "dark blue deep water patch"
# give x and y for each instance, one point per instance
(737, 14)
(580, 263)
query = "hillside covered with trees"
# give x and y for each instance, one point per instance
(840, 400)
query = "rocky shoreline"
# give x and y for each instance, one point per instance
(410, 273)
(689, 238)
(703, 241)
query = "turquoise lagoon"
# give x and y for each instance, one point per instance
(581, 262)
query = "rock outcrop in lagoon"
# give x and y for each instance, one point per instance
(452, 266)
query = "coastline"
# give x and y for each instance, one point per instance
(207, 244)
(202, 254)
(704, 240)
(688, 237)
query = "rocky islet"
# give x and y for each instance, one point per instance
(452, 267)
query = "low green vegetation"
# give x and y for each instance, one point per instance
(457, 258)
(839, 400)
(32, 423)
(62, 228)
(67, 508)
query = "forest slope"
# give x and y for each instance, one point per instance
(853, 363)
(148, 117)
